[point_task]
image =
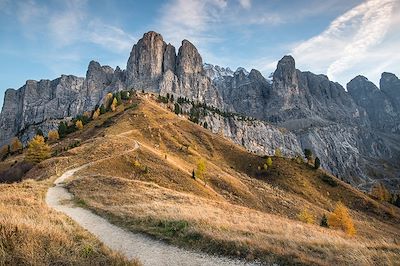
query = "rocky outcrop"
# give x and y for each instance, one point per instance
(256, 136)
(390, 85)
(42, 104)
(378, 104)
(154, 66)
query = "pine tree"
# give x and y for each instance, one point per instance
(38, 150)
(177, 109)
(193, 175)
(62, 129)
(324, 221)
(102, 109)
(308, 154)
(39, 132)
(317, 163)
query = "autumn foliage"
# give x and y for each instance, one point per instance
(79, 125)
(15, 146)
(306, 217)
(380, 192)
(53, 135)
(38, 150)
(341, 219)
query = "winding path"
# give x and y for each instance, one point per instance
(133, 245)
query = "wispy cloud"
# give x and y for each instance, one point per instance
(110, 37)
(70, 24)
(245, 3)
(350, 41)
(192, 19)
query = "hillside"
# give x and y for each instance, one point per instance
(234, 209)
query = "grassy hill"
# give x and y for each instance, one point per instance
(233, 209)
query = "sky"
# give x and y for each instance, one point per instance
(340, 38)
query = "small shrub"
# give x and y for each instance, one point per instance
(278, 152)
(324, 221)
(265, 167)
(269, 161)
(201, 168)
(341, 219)
(306, 217)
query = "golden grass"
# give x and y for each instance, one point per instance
(240, 212)
(32, 234)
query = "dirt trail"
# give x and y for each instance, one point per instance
(133, 245)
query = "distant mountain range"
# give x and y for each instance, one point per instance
(356, 133)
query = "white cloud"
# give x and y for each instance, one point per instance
(190, 19)
(246, 4)
(355, 41)
(66, 26)
(110, 37)
(29, 11)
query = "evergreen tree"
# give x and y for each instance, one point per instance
(62, 129)
(177, 109)
(39, 132)
(317, 163)
(324, 221)
(308, 154)
(193, 175)
(102, 109)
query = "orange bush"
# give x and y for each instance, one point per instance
(341, 219)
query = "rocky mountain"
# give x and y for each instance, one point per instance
(349, 131)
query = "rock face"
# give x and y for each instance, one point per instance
(349, 131)
(42, 104)
(379, 105)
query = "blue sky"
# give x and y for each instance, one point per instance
(340, 38)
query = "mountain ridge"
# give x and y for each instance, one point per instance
(310, 106)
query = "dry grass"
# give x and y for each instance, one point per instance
(32, 234)
(238, 211)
